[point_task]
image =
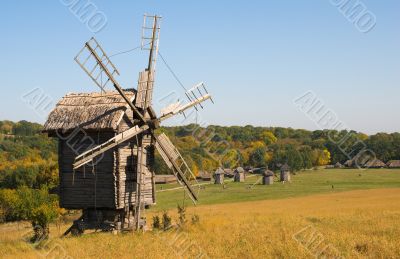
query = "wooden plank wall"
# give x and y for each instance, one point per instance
(126, 170)
(83, 189)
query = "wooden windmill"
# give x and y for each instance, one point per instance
(129, 152)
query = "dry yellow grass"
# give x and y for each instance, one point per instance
(355, 224)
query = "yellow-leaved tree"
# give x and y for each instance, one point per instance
(323, 157)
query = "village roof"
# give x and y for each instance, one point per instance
(165, 178)
(90, 111)
(394, 163)
(239, 170)
(338, 165)
(375, 163)
(285, 167)
(228, 171)
(220, 171)
(204, 174)
(268, 173)
(349, 163)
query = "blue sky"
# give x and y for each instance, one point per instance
(255, 57)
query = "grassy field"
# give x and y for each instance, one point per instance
(299, 220)
(303, 184)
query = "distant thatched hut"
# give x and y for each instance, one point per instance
(204, 176)
(229, 172)
(374, 163)
(285, 173)
(165, 179)
(239, 175)
(349, 163)
(338, 165)
(219, 176)
(393, 164)
(268, 177)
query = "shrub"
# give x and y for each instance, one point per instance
(182, 215)
(195, 219)
(40, 219)
(156, 222)
(8, 203)
(166, 221)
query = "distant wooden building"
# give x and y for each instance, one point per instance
(285, 173)
(204, 176)
(229, 172)
(165, 179)
(219, 176)
(268, 177)
(349, 163)
(393, 164)
(374, 163)
(338, 165)
(239, 175)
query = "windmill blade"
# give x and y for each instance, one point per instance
(89, 155)
(102, 63)
(176, 163)
(150, 38)
(87, 61)
(145, 87)
(195, 100)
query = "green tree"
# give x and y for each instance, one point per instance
(37, 206)
(258, 157)
(294, 158)
(306, 154)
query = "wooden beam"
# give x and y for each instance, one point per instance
(115, 83)
(89, 155)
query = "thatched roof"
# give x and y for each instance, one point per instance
(239, 170)
(285, 168)
(204, 175)
(219, 171)
(338, 165)
(268, 173)
(90, 111)
(394, 164)
(349, 163)
(164, 179)
(374, 163)
(228, 172)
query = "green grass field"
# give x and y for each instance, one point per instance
(303, 184)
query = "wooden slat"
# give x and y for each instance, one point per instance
(168, 152)
(89, 155)
(145, 90)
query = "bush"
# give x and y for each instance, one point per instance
(156, 222)
(40, 219)
(8, 203)
(182, 215)
(195, 219)
(166, 221)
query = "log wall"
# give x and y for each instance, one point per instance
(93, 185)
